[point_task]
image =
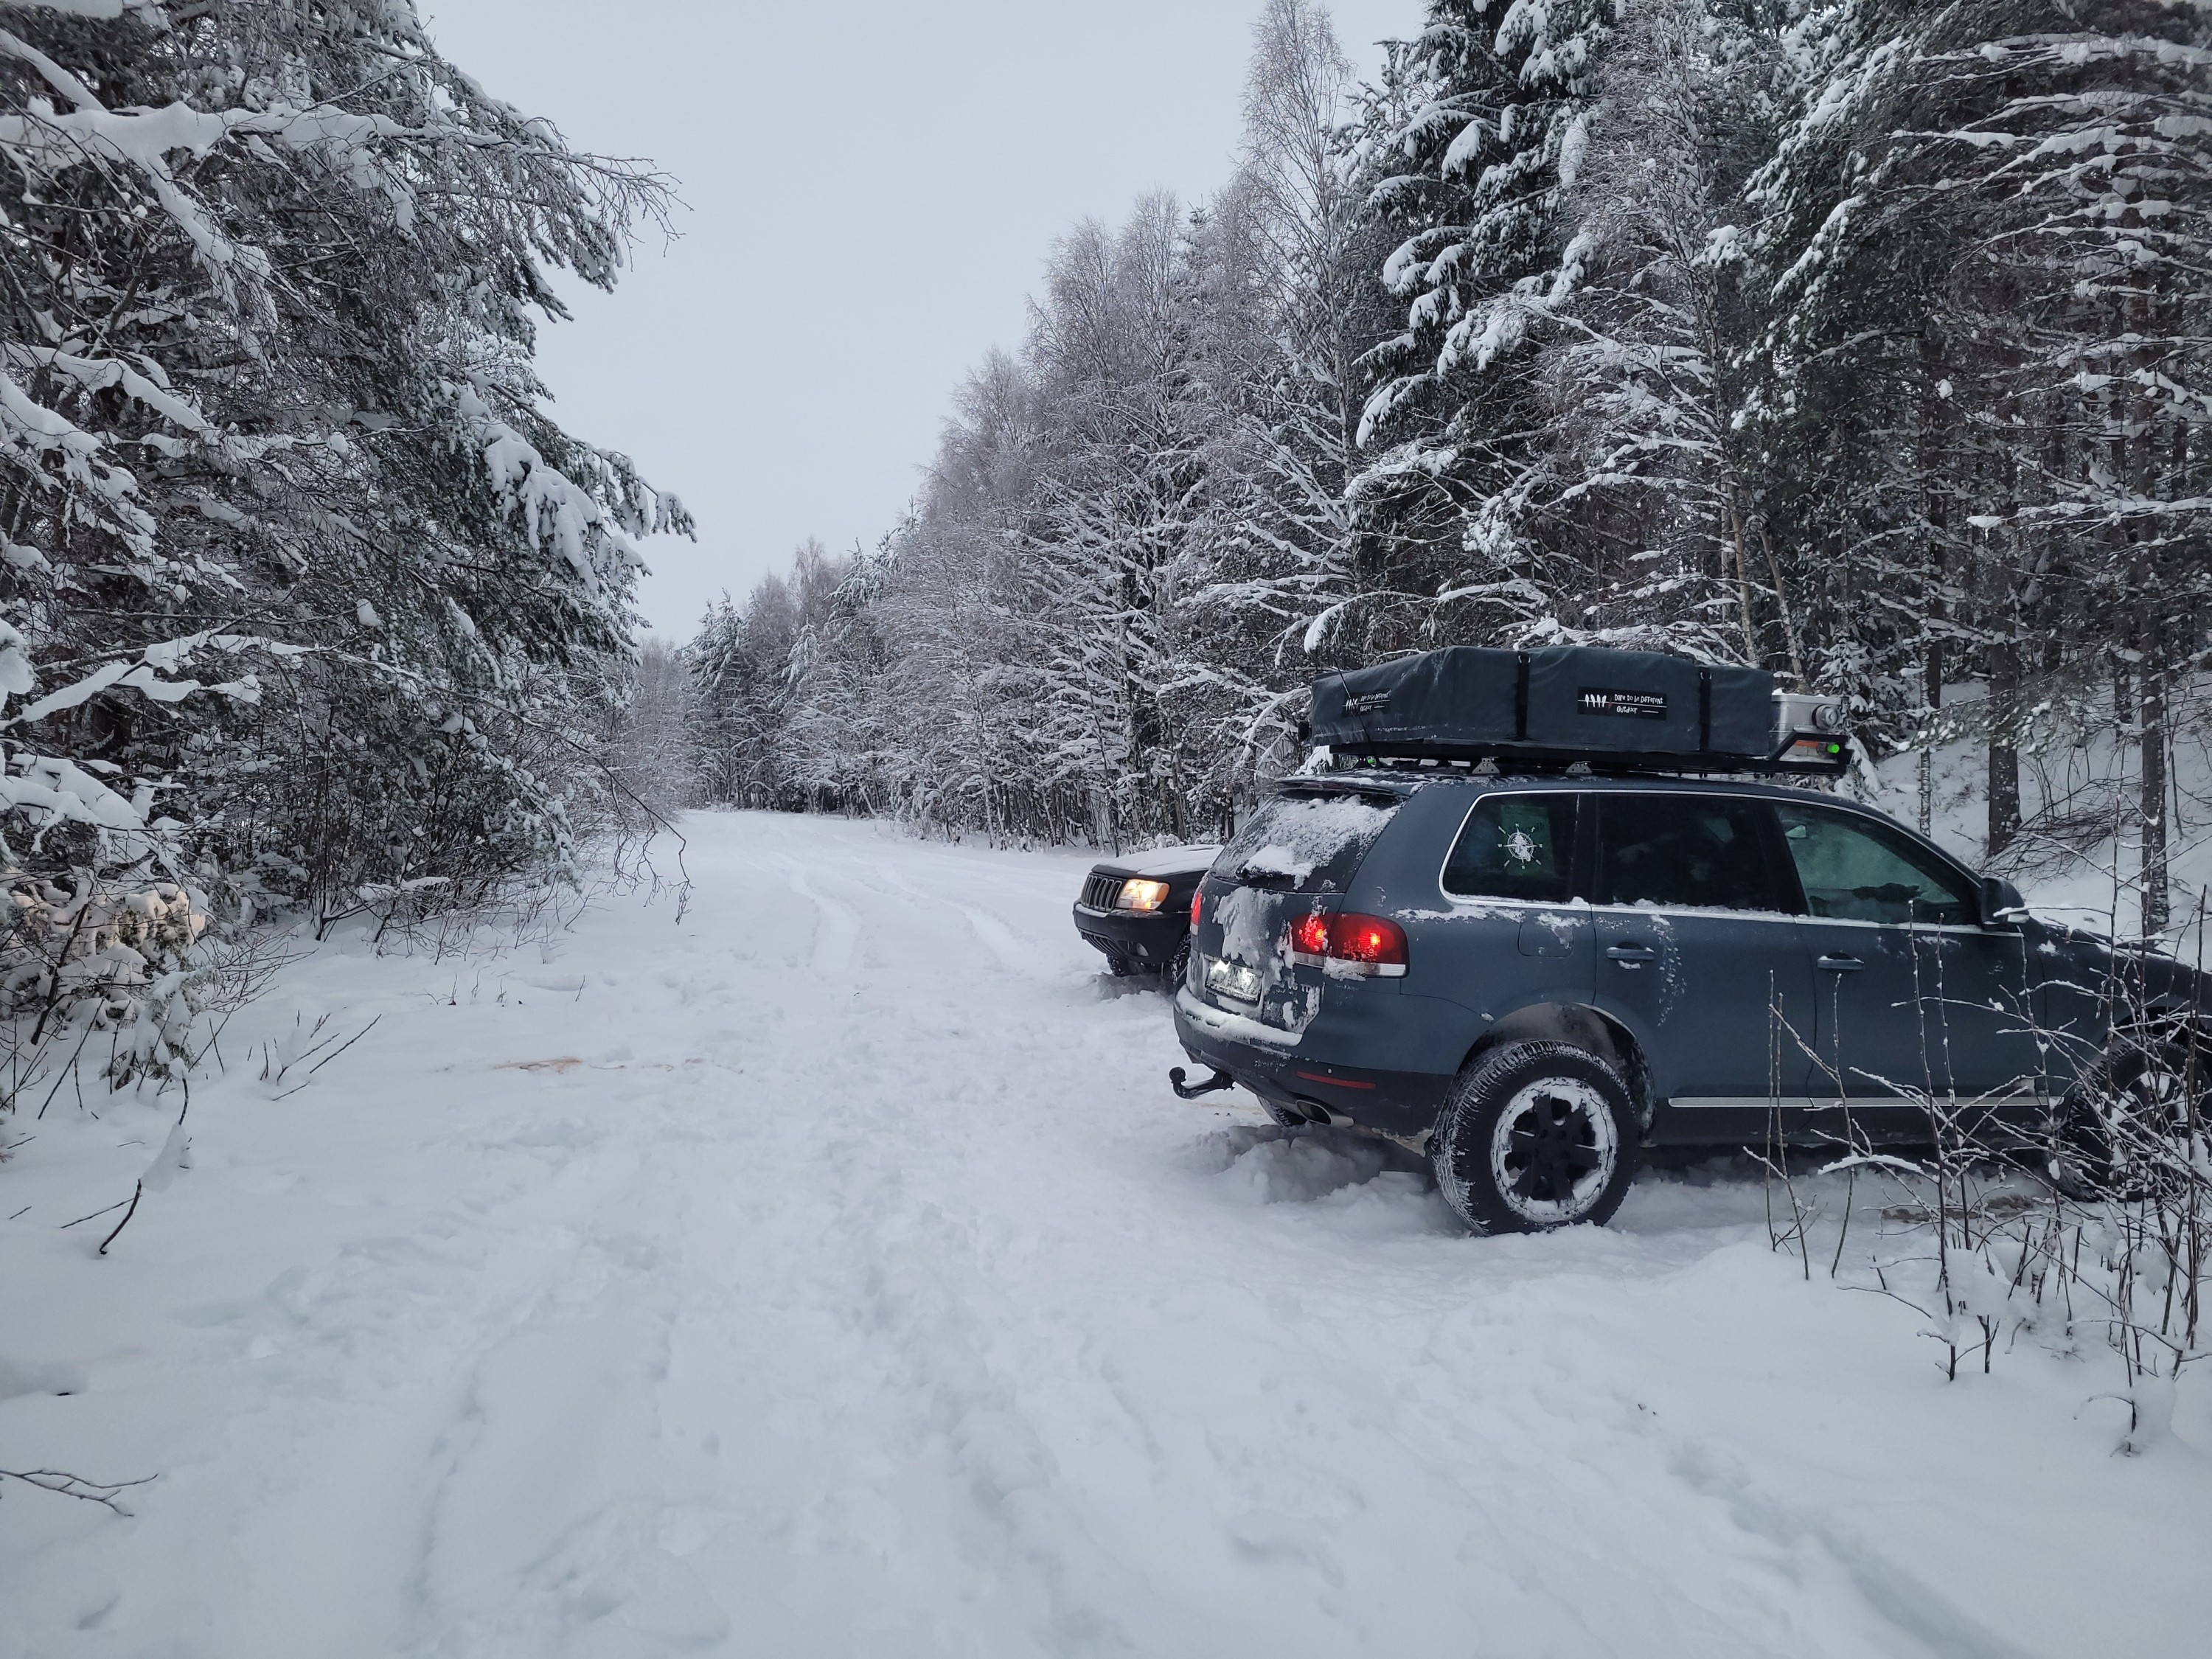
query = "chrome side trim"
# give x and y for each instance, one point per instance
(1830, 1104)
(1787, 1103)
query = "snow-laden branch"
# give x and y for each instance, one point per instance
(143, 673)
(554, 507)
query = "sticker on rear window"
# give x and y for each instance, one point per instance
(1526, 826)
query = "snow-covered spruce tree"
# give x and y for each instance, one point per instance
(2084, 159)
(1855, 409)
(1455, 426)
(1650, 504)
(1982, 234)
(272, 274)
(747, 665)
(833, 744)
(1112, 347)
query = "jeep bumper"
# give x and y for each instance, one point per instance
(1145, 937)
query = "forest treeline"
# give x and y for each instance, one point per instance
(1864, 340)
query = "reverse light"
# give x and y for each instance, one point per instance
(1367, 947)
(1138, 894)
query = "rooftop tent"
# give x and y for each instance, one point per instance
(1562, 704)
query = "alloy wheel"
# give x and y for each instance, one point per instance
(1552, 1151)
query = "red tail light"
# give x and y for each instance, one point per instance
(1310, 937)
(1369, 946)
(1371, 941)
(1197, 899)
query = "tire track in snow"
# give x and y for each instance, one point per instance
(910, 1260)
(886, 1256)
(1916, 1607)
(837, 929)
(993, 932)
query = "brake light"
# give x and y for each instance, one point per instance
(1371, 941)
(1197, 903)
(1365, 946)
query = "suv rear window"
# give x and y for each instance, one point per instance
(1705, 852)
(1515, 846)
(1307, 842)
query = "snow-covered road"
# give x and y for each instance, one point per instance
(831, 1272)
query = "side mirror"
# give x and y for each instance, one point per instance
(2000, 903)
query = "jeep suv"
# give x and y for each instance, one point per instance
(1530, 978)
(1137, 910)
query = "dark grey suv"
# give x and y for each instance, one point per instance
(1532, 977)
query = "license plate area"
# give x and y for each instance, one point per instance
(1232, 981)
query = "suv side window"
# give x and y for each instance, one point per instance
(1516, 847)
(1860, 871)
(1709, 852)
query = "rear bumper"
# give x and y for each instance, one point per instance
(1149, 936)
(1294, 1072)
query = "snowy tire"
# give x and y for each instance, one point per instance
(1178, 968)
(2123, 1130)
(1536, 1135)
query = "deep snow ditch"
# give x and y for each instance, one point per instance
(833, 1273)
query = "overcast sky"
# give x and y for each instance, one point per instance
(871, 188)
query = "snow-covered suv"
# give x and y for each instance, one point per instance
(1532, 977)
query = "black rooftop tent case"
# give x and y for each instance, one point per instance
(1563, 703)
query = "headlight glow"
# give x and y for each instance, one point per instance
(1138, 894)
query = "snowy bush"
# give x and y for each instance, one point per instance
(2098, 1241)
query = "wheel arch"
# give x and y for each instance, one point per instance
(1584, 1027)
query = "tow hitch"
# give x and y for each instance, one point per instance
(1220, 1079)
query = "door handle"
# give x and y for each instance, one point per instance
(1631, 955)
(1839, 964)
